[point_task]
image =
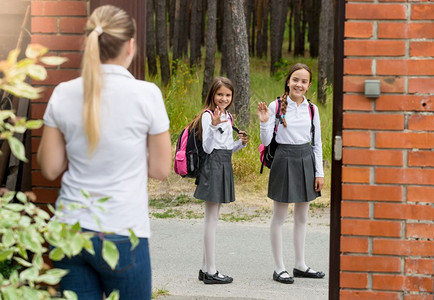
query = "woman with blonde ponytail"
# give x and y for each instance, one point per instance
(296, 174)
(106, 133)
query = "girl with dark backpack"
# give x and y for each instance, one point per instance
(296, 174)
(215, 181)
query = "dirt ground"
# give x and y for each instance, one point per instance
(173, 198)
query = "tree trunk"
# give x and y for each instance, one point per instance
(162, 41)
(325, 58)
(291, 20)
(196, 32)
(314, 28)
(262, 27)
(211, 44)
(298, 38)
(228, 52)
(241, 63)
(277, 27)
(150, 39)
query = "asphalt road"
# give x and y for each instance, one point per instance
(243, 251)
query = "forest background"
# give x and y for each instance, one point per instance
(254, 43)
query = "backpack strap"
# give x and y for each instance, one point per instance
(278, 114)
(312, 127)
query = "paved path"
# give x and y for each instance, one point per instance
(243, 252)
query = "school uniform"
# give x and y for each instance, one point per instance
(296, 162)
(216, 179)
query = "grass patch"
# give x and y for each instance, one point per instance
(156, 293)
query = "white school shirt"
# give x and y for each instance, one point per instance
(297, 131)
(130, 110)
(212, 138)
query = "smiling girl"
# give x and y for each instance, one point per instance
(216, 182)
(296, 174)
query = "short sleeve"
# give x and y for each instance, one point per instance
(160, 121)
(49, 115)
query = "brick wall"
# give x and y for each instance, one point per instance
(388, 175)
(58, 25)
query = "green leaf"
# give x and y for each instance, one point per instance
(70, 295)
(113, 296)
(34, 124)
(56, 254)
(52, 276)
(35, 50)
(8, 238)
(21, 197)
(103, 199)
(38, 262)
(5, 114)
(10, 292)
(29, 274)
(85, 194)
(13, 56)
(133, 239)
(37, 72)
(23, 262)
(110, 253)
(14, 207)
(21, 90)
(6, 254)
(76, 244)
(17, 148)
(53, 60)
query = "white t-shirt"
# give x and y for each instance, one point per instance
(130, 110)
(297, 131)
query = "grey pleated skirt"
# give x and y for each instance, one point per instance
(292, 174)
(216, 178)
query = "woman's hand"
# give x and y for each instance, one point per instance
(242, 135)
(319, 183)
(216, 117)
(263, 113)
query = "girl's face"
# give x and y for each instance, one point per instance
(223, 97)
(298, 84)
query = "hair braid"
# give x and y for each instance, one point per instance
(284, 106)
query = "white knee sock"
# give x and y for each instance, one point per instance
(212, 211)
(280, 211)
(301, 211)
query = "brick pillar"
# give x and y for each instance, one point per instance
(388, 176)
(58, 25)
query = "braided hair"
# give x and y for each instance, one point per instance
(296, 67)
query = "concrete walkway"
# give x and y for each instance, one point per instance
(243, 251)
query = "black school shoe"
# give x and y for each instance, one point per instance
(278, 278)
(215, 279)
(307, 274)
(201, 274)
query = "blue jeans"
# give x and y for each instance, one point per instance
(90, 277)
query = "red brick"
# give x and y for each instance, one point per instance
(370, 263)
(388, 84)
(419, 230)
(370, 228)
(402, 247)
(404, 140)
(59, 42)
(421, 159)
(418, 266)
(419, 284)
(368, 295)
(405, 67)
(354, 244)
(403, 211)
(72, 25)
(421, 85)
(355, 209)
(388, 282)
(373, 121)
(35, 165)
(372, 157)
(421, 48)
(59, 8)
(418, 296)
(358, 29)
(358, 66)
(45, 195)
(422, 12)
(375, 11)
(55, 77)
(40, 181)
(421, 122)
(393, 30)
(358, 175)
(404, 176)
(353, 280)
(357, 102)
(404, 103)
(38, 111)
(372, 192)
(356, 138)
(420, 194)
(43, 25)
(374, 48)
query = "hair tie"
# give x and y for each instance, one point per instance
(98, 29)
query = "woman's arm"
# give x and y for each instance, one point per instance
(159, 155)
(52, 153)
